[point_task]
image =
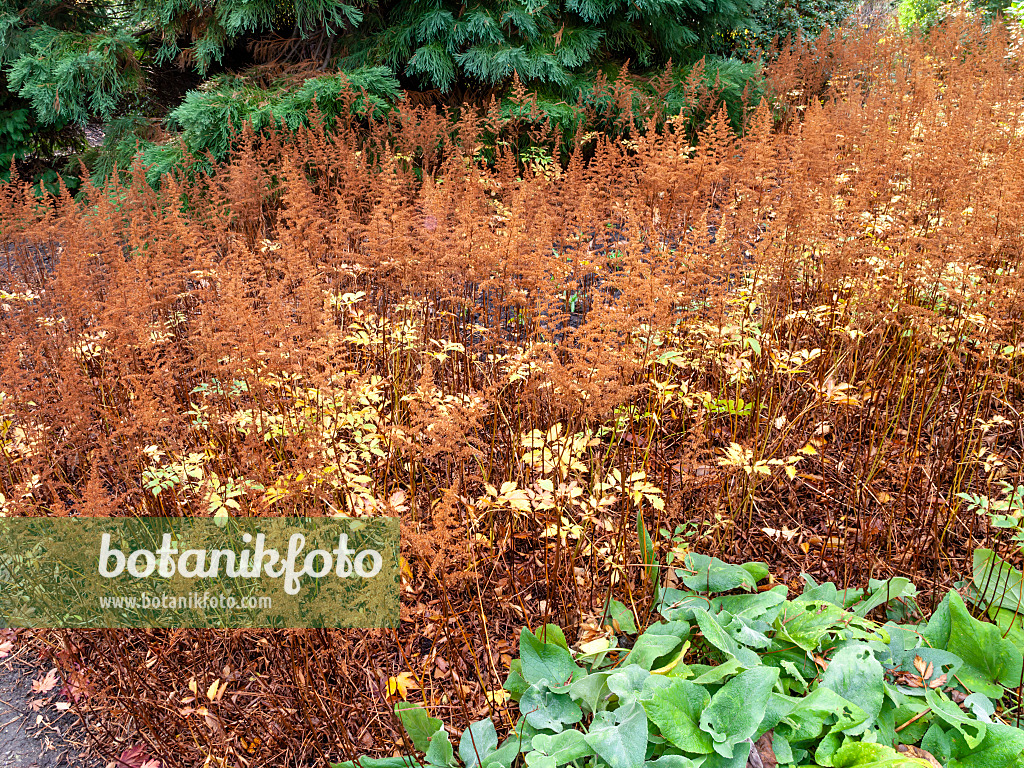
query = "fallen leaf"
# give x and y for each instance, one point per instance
(761, 754)
(5, 648)
(786, 533)
(45, 684)
(400, 684)
(498, 696)
(919, 753)
(134, 757)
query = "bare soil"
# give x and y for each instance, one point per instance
(34, 733)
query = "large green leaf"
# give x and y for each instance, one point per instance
(563, 747)
(546, 661)
(378, 762)
(417, 723)
(1002, 747)
(477, 742)
(591, 691)
(671, 761)
(739, 758)
(506, 754)
(892, 589)
(996, 582)
(743, 632)
(937, 743)
(714, 675)
(936, 631)
(715, 634)
(440, 752)
(738, 708)
(855, 674)
(865, 755)
(676, 710)
(970, 729)
(806, 622)
(709, 574)
(628, 682)
(650, 647)
(807, 718)
(759, 605)
(1011, 625)
(624, 743)
(546, 710)
(990, 660)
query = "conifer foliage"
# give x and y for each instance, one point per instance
(448, 45)
(64, 64)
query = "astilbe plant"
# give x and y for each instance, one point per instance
(797, 341)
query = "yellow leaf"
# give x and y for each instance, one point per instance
(400, 684)
(672, 664)
(808, 450)
(211, 692)
(498, 696)
(403, 567)
(595, 646)
(193, 687)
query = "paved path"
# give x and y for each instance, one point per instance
(33, 732)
